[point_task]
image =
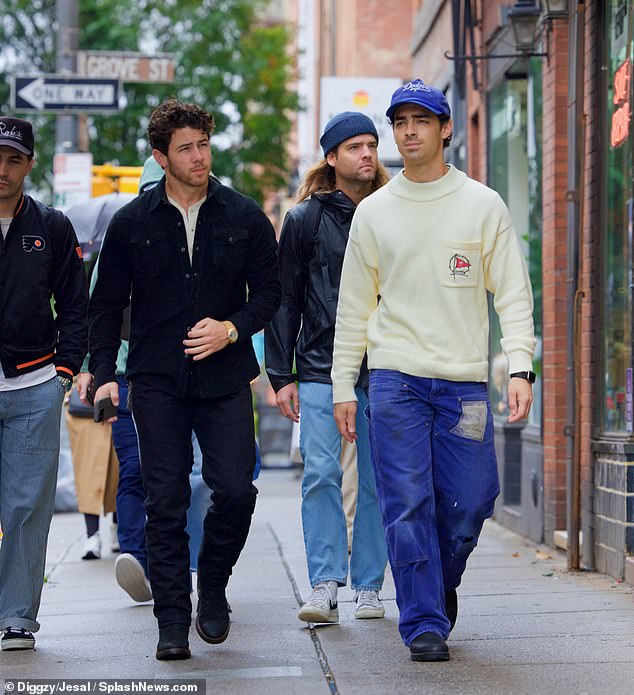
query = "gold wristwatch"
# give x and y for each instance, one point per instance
(232, 331)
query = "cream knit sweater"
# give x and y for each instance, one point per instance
(430, 251)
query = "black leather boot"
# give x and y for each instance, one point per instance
(429, 646)
(451, 606)
(212, 616)
(173, 643)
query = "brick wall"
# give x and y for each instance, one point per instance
(367, 38)
(590, 318)
(554, 264)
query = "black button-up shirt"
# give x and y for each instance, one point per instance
(233, 275)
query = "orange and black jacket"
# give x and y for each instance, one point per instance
(40, 261)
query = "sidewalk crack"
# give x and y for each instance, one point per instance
(319, 650)
(61, 559)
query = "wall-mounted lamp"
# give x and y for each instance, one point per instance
(555, 8)
(525, 19)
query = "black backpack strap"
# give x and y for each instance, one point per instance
(312, 221)
(310, 228)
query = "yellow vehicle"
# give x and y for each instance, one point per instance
(108, 178)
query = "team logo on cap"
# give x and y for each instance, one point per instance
(33, 243)
(416, 86)
(12, 133)
(459, 265)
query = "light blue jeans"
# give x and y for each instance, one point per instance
(29, 454)
(198, 505)
(323, 518)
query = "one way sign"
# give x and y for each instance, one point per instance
(63, 93)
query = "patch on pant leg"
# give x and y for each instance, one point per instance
(473, 421)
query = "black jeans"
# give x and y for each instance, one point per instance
(225, 430)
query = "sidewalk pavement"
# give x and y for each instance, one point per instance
(525, 624)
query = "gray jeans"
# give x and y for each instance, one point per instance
(29, 454)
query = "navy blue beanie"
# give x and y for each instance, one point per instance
(343, 126)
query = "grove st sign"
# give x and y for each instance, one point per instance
(127, 67)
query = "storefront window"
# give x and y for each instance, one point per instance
(617, 269)
(515, 165)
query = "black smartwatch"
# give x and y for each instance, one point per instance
(529, 376)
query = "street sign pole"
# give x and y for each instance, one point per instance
(66, 129)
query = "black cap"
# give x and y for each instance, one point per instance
(16, 133)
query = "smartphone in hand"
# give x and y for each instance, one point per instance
(104, 410)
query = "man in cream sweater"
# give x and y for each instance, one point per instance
(422, 253)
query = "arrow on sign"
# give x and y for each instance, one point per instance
(61, 93)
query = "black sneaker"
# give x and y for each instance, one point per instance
(17, 638)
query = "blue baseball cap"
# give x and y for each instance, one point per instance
(417, 92)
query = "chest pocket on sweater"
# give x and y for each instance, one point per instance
(461, 263)
(230, 247)
(150, 252)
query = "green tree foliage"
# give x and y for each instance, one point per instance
(226, 61)
(27, 47)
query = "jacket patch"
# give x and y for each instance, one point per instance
(30, 242)
(80, 255)
(459, 265)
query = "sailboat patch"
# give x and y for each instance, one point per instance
(459, 265)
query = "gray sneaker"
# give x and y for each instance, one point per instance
(321, 606)
(130, 576)
(368, 605)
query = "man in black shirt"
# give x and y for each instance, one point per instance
(198, 261)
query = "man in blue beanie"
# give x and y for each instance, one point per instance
(300, 335)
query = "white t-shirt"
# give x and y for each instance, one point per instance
(190, 218)
(4, 224)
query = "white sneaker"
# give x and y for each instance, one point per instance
(128, 572)
(92, 547)
(114, 538)
(321, 606)
(368, 605)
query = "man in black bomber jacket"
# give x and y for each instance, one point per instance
(197, 262)
(301, 335)
(40, 352)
